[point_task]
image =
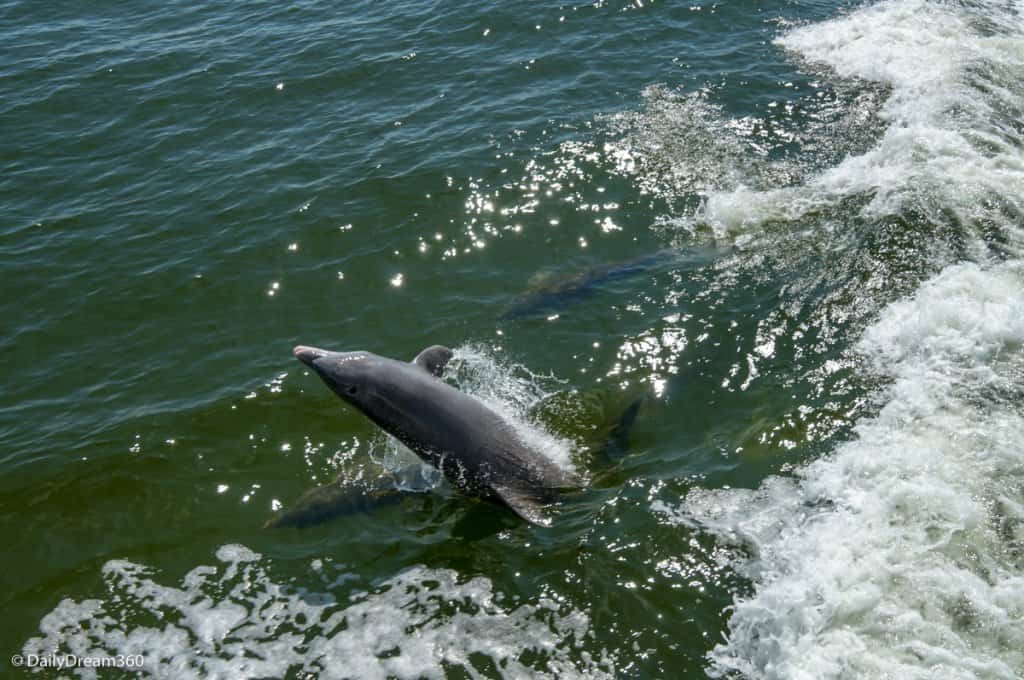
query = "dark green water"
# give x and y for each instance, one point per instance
(823, 481)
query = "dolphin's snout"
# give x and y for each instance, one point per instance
(307, 355)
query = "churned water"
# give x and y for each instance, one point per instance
(792, 230)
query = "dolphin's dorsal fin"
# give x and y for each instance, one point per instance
(524, 504)
(433, 359)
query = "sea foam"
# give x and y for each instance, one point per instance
(236, 619)
(949, 144)
(901, 553)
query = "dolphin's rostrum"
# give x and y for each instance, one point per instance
(476, 449)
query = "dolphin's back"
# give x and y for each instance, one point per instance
(478, 450)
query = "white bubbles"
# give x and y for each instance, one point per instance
(677, 144)
(898, 554)
(913, 45)
(948, 140)
(512, 390)
(237, 620)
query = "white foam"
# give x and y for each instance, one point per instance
(950, 142)
(513, 391)
(675, 144)
(234, 620)
(899, 555)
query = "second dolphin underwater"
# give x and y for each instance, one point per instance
(551, 292)
(476, 449)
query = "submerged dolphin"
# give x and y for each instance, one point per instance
(476, 449)
(553, 292)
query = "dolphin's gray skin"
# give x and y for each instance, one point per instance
(474, 447)
(554, 292)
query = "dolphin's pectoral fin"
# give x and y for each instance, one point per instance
(523, 503)
(433, 359)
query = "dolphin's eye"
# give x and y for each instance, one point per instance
(352, 390)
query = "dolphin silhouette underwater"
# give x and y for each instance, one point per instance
(552, 292)
(475, 449)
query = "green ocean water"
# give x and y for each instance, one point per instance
(828, 345)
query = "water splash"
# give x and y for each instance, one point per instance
(899, 553)
(236, 619)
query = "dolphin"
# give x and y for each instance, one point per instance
(550, 292)
(332, 500)
(476, 449)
